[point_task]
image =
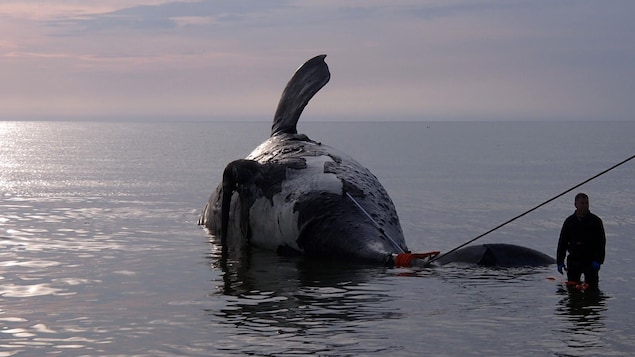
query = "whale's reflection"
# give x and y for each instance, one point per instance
(267, 296)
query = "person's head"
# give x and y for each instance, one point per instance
(582, 204)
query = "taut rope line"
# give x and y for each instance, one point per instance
(375, 223)
(533, 209)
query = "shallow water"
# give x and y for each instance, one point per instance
(101, 255)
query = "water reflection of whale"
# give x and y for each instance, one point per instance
(260, 270)
(296, 299)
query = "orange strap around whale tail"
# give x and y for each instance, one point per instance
(405, 259)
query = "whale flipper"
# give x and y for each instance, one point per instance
(238, 176)
(306, 81)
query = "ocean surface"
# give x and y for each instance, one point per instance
(100, 252)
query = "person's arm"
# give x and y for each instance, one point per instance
(600, 248)
(563, 243)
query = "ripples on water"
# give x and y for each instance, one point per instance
(100, 253)
(290, 306)
(584, 312)
(70, 273)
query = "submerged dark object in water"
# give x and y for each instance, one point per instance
(497, 255)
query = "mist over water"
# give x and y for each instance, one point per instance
(100, 253)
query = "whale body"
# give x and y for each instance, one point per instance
(497, 255)
(296, 196)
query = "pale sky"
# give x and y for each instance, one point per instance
(389, 59)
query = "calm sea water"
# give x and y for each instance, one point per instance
(100, 253)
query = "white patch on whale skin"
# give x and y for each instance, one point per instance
(276, 224)
(312, 178)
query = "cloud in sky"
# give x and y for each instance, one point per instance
(403, 59)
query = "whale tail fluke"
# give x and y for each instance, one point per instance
(306, 81)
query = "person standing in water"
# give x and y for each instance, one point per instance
(583, 236)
